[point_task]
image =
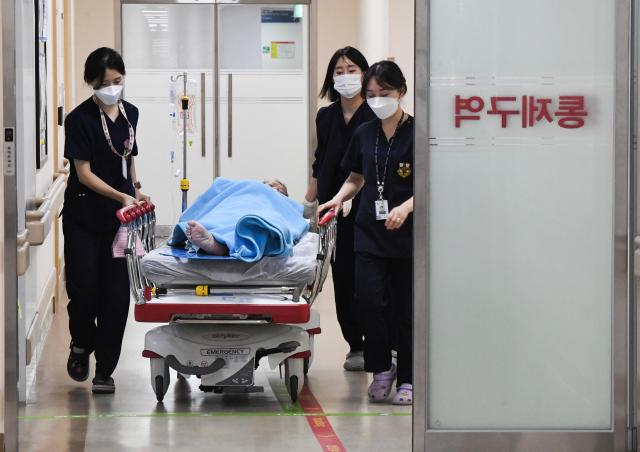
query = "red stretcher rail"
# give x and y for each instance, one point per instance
(327, 217)
(128, 214)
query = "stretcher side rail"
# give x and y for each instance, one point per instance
(231, 289)
(140, 222)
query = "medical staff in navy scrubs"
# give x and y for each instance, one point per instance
(380, 158)
(335, 126)
(100, 143)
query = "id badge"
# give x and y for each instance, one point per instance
(382, 209)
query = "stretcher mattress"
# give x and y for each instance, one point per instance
(298, 270)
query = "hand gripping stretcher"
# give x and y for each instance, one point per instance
(219, 331)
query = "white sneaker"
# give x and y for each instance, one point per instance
(354, 362)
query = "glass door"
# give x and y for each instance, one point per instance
(521, 263)
(247, 67)
(162, 42)
(263, 58)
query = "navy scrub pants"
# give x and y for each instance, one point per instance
(98, 289)
(343, 274)
(379, 282)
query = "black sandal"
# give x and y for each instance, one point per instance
(78, 365)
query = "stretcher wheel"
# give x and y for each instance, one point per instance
(294, 377)
(159, 388)
(293, 388)
(159, 377)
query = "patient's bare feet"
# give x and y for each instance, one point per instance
(200, 237)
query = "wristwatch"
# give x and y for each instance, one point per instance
(137, 185)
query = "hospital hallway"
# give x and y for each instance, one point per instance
(62, 415)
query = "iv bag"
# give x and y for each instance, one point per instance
(176, 93)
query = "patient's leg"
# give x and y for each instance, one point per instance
(199, 236)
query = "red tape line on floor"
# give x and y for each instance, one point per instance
(320, 425)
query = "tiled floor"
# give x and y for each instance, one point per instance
(64, 416)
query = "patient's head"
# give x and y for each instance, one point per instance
(277, 185)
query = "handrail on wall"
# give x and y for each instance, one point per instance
(65, 168)
(39, 217)
(23, 253)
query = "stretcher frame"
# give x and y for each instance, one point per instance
(289, 317)
(140, 222)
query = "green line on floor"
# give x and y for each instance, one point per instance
(290, 413)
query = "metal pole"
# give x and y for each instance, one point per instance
(632, 406)
(185, 111)
(10, 227)
(216, 96)
(421, 225)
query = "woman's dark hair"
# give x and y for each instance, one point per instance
(98, 62)
(388, 75)
(348, 52)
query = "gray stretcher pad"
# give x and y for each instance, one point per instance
(297, 270)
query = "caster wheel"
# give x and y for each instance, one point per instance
(293, 388)
(306, 365)
(159, 388)
(159, 377)
(294, 377)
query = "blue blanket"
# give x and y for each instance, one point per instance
(252, 219)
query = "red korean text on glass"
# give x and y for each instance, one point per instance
(535, 110)
(572, 112)
(473, 104)
(499, 101)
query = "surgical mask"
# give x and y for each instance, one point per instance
(384, 107)
(109, 95)
(348, 85)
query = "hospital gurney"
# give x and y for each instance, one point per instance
(219, 331)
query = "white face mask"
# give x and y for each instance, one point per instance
(384, 107)
(348, 85)
(109, 95)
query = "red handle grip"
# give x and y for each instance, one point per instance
(327, 217)
(130, 213)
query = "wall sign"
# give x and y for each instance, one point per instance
(279, 16)
(569, 111)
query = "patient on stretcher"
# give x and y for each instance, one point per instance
(245, 220)
(200, 237)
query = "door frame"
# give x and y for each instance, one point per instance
(623, 323)
(312, 46)
(10, 213)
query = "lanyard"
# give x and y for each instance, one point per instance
(381, 183)
(128, 147)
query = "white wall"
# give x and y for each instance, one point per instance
(94, 26)
(380, 29)
(373, 30)
(34, 286)
(337, 27)
(401, 43)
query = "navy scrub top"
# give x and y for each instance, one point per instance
(334, 135)
(371, 236)
(85, 140)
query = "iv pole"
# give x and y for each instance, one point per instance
(184, 183)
